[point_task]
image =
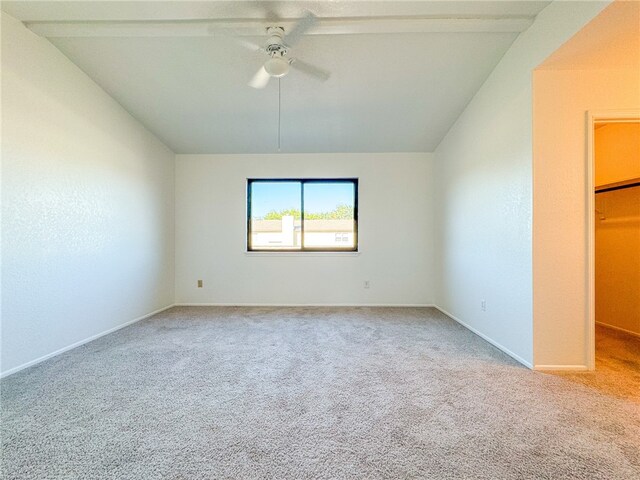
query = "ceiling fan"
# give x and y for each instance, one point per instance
(277, 48)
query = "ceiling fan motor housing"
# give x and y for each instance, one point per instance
(275, 42)
(276, 66)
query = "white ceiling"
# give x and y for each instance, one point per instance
(394, 91)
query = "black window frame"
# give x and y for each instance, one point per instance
(303, 181)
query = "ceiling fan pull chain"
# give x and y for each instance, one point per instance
(279, 102)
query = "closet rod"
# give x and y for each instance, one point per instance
(618, 187)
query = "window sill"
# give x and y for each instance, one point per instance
(301, 254)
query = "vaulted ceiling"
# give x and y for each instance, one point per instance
(401, 72)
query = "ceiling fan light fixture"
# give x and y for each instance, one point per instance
(277, 67)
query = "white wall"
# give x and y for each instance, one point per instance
(597, 70)
(560, 223)
(483, 178)
(87, 206)
(395, 232)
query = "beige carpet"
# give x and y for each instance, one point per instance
(617, 365)
(303, 393)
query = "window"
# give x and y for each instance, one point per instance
(302, 214)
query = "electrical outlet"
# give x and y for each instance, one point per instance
(199, 283)
(366, 284)
(483, 305)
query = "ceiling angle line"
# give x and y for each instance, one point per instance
(252, 27)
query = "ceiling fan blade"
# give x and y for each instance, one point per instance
(308, 21)
(260, 79)
(234, 37)
(254, 47)
(269, 14)
(309, 69)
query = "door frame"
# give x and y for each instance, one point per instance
(594, 118)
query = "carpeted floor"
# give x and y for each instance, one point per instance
(297, 393)
(617, 365)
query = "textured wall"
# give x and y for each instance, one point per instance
(87, 205)
(395, 232)
(560, 222)
(483, 176)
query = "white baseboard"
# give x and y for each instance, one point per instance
(240, 304)
(420, 305)
(486, 338)
(561, 368)
(613, 327)
(81, 342)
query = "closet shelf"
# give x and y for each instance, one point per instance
(633, 182)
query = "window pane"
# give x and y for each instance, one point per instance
(329, 215)
(275, 215)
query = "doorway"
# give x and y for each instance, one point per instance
(614, 242)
